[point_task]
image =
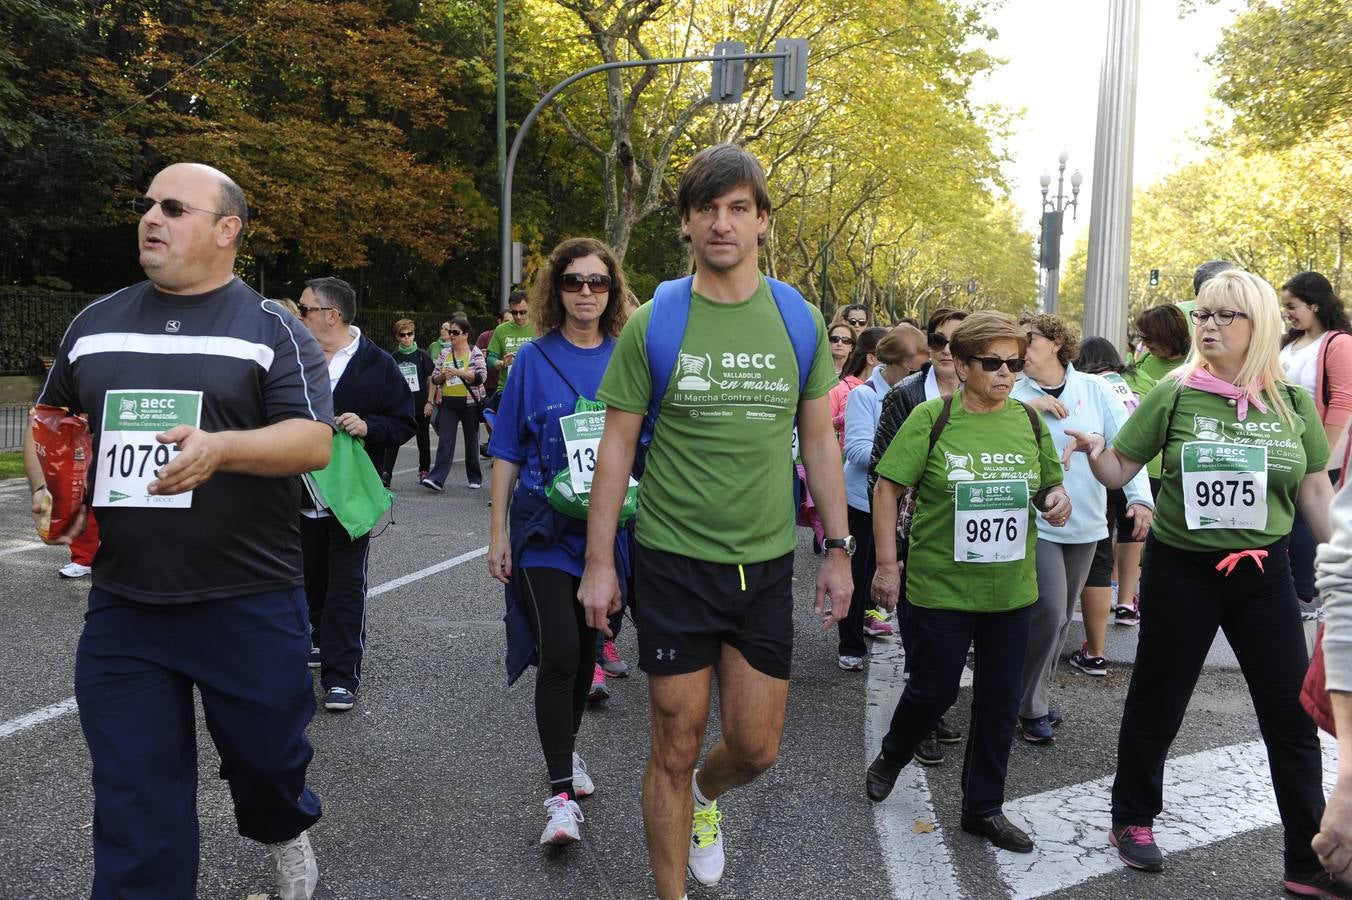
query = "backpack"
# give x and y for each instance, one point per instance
(666, 329)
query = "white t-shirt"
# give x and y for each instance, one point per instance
(1301, 365)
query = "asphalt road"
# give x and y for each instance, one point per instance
(433, 784)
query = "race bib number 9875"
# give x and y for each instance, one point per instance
(130, 456)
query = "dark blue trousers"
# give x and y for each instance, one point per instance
(938, 646)
(135, 669)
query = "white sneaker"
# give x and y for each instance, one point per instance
(297, 871)
(706, 845)
(73, 570)
(583, 786)
(564, 817)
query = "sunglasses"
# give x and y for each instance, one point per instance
(993, 363)
(1222, 316)
(521, 312)
(172, 208)
(306, 310)
(572, 282)
(405, 334)
(937, 341)
(857, 323)
(455, 332)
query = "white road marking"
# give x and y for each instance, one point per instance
(57, 710)
(37, 717)
(1208, 797)
(919, 866)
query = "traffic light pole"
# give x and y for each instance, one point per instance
(505, 219)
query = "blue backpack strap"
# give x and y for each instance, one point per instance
(666, 328)
(793, 309)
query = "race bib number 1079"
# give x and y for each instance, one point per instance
(129, 455)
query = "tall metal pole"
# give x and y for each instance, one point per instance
(502, 125)
(1106, 285)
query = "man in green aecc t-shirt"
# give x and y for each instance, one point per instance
(715, 540)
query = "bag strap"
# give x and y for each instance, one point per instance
(947, 411)
(540, 347)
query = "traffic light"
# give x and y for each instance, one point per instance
(1154, 277)
(729, 74)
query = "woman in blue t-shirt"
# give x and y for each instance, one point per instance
(578, 307)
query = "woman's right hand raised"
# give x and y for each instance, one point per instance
(1091, 442)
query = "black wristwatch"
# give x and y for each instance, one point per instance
(847, 543)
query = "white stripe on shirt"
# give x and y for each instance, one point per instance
(172, 345)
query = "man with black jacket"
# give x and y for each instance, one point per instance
(371, 401)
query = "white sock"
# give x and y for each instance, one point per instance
(700, 799)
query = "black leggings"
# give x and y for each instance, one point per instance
(566, 651)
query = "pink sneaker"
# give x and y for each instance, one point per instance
(876, 624)
(598, 691)
(611, 663)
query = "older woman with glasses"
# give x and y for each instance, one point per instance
(458, 378)
(1068, 399)
(1242, 450)
(416, 365)
(578, 305)
(981, 463)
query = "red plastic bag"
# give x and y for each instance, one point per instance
(1314, 695)
(64, 447)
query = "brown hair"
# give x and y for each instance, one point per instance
(941, 315)
(1057, 329)
(716, 170)
(902, 341)
(981, 329)
(546, 302)
(402, 324)
(1166, 328)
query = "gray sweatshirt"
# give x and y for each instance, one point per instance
(1334, 580)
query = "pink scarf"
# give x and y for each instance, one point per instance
(1203, 380)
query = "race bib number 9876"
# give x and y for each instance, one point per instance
(129, 454)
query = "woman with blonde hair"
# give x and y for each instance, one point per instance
(1242, 449)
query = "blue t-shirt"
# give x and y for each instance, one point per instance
(526, 431)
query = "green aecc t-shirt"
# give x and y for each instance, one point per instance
(507, 338)
(972, 448)
(1222, 448)
(717, 485)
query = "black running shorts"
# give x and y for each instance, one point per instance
(687, 609)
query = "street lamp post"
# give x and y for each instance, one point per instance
(1053, 213)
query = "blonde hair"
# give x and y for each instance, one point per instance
(1261, 371)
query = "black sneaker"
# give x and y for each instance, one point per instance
(338, 699)
(929, 753)
(1316, 884)
(1127, 615)
(945, 733)
(881, 777)
(314, 658)
(1136, 847)
(1089, 665)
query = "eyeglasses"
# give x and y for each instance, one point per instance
(455, 332)
(937, 341)
(306, 310)
(841, 339)
(1223, 316)
(519, 312)
(993, 363)
(857, 323)
(172, 208)
(572, 282)
(404, 334)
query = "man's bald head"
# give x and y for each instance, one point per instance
(192, 250)
(231, 201)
